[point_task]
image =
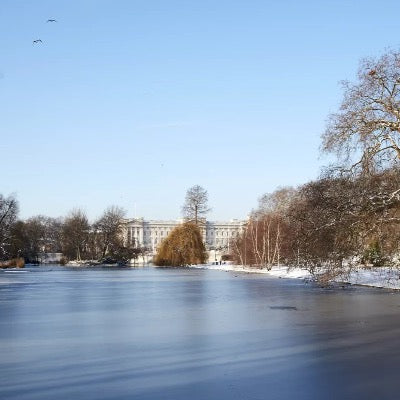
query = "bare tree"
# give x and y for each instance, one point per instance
(266, 239)
(35, 235)
(75, 234)
(276, 202)
(8, 215)
(195, 204)
(109, 230)
(365, 132)
(53, 232)
(262, 242)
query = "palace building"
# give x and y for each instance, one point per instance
(150, 233)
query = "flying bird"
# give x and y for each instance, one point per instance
(37, 41)
(51, 20)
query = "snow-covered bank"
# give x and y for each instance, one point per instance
(279, 272)
(376, 277)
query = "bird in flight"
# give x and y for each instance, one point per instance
(37, 41)
(51, 20)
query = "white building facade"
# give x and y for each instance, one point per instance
(149, 233)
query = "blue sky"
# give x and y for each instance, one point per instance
(133, 102)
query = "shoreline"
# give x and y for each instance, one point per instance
(380, 277)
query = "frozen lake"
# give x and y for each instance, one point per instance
(192, 334)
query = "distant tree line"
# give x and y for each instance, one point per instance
(351, 214)
(73, 236)
(103, 240)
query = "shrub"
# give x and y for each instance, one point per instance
(14, 263)
(183, 246)
(373, 255)
(63, 261)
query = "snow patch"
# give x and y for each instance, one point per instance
(381, 277)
